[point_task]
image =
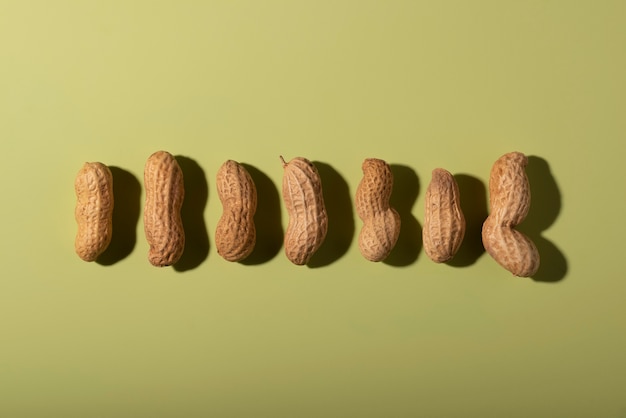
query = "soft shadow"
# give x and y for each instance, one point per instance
(544, 210)
(192, 213)
(473, 197)
(126, 212)
(267, 219)
(405, 191)
(338, 202)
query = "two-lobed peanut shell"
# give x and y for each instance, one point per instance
(235, 234)
(509, 201)
(381, 223)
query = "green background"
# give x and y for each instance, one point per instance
(421, 84)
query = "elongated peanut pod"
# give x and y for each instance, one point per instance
(444, 223)
(509, 200)
(94, 210)
(163, 225)
(381, 222)
(235, 234)
(304, 201)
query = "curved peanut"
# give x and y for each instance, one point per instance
(235, 234)
(509, 200)
(304, 201)
(381, 222)
(163, 225)
(444, 223)
(94, 210)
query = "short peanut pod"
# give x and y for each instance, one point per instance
(509, 201)
(163, 224)
(304, 201)
(444, 223)
(235, 234)
(381, 222)
(94, 210)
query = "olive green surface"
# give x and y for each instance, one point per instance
(420, 84)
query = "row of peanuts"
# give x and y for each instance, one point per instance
(235, 235)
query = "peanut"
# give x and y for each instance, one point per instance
(94, 210)
(444, 223)
(235, 234)
(381, 222)
(163, 225)
(509, 201)
(304, 201)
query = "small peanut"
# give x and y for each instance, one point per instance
(235, 234)
(94, 210)
(163, 225)
(304, 201)
(381, 222)
(509, 201)
(444, 223)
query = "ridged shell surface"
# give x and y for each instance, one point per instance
(304, 201)
(94, 210)
(444, 223)
(381, 223)
(163, 226)
(235, 234)
(509, 201)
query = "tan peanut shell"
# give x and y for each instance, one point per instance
(163, 226)
(94, 210)
(444, 223)
(304, 201)
(509, 201)
(381, 222)
(235, 234)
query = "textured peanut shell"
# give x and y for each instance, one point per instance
(510, 248)
(94, 210)
(235, 234)
(381, 222)
(509, 190)
(304, 202)
(444, 223)
(509, 201)
(163, 226)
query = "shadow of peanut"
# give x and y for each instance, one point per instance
(473, 199)
(405, 191)
(126, 212)
(267, 219)
(338, 202)
(192, 213)
(544, 210)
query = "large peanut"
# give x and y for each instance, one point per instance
(94, 210)
(381, 222)
(444, 223)
(304, 201)
(509, 201)
(163, 225)
(235, 234)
